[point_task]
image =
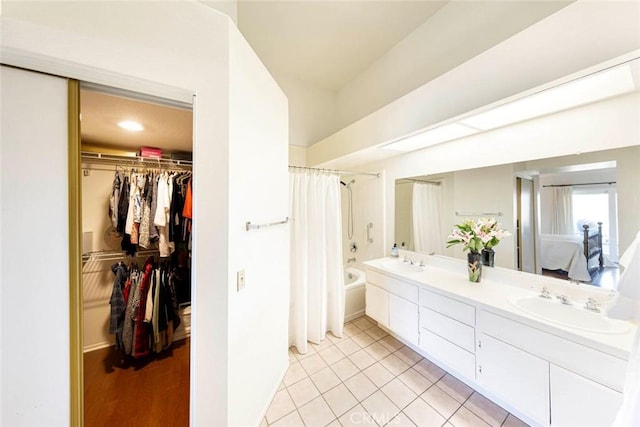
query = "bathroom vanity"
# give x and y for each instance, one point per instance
(546, 362)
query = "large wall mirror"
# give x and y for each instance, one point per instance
(544, 203)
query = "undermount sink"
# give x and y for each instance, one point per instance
(573, 315)
(400, 266)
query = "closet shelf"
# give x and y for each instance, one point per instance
(134, 161)
(116, 255)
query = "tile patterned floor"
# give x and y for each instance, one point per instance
(368, 378)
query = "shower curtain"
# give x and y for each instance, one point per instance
(427, 229)
(317, 279)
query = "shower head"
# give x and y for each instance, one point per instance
(349, 184)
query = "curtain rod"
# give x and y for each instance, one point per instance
(575, 185)
(377, 175)
(421, 181)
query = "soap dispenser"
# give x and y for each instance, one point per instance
(394, 251)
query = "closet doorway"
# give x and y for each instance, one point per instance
(136, 163)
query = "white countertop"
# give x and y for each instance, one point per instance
(448, 276)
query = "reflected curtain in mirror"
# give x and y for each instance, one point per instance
(426, 207)
(561, 210)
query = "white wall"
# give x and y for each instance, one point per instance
(488, 190)
(228, 7)
(97, 278)
(426, 53)
(259, 193)
(35, 269)
(170, 49)
(297, 156)
(367, 194)
(312, 111)
(579, 36)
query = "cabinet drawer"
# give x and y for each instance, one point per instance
(395, 286)
(449, 329)
(449, 354)
(462, 312)
(596, 365)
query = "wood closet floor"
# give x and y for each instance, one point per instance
(149, 392)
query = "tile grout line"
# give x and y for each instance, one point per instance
(341, 382)
(378, 388)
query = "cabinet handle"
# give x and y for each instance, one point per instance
(480, 369)
(479, 344)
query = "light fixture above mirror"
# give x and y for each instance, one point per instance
(591, 88)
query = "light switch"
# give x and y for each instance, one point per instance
(240, 280)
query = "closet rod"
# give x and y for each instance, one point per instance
(421, 181)
(339, 172)
(575, 185)
(114, 159)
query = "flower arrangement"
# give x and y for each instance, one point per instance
(477, 235)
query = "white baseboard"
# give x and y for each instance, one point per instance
(263, 413)
(354, 316)
(97, 346)
(180, 335)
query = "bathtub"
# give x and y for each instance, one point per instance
(354, 293)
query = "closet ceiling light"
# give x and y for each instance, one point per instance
(131, 125)
(431, 137)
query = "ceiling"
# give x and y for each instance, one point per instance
(328, 43)
(324, 43)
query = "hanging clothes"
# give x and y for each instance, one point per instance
(187, 209)
(141, 328)
(114, 199)
(117, 302)
(145, 240)
(153, 231)
(133, 297)
(123, 205)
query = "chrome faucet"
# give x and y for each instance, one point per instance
(564, 299)
(592, 305)
(544, 293)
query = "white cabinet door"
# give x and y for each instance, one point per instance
(403, 318)
(515, 376)
(579, 402)
(377, 304)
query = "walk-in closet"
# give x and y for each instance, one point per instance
(136, 191)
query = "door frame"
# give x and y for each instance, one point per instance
(76, 327)
(76, 306)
